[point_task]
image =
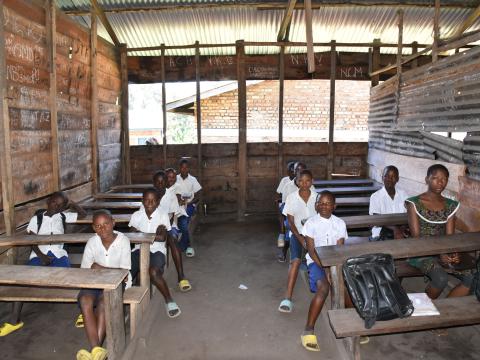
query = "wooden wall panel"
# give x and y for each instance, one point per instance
(220, 169)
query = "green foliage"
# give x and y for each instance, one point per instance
(180, 129)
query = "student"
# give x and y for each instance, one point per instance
(388, 200)
(299, 207)
(280, 204)
(108, 249)
(323, 229)
(50, 221)
(152, 220)
(188, 194)
(169, 204)
(431, 214)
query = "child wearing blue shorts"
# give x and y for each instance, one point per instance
(323, 229)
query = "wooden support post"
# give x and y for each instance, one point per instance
(375, 61)
(436, 31)
(399, 63)
(115, 322)
(242, 130)
(164, 107)
(414, 51)
(51, 27)
(198, 112)
(331, 124)
(281, 83)
(309, 36)
(286, 21)
(125, 123)
(94, 101)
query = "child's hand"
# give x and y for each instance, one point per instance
(161, 233)
(46, 260)
(454, 258)
(445, 259)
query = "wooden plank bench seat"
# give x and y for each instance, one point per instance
(461, 311)
(350, 190)
(363, 221)
(119, 219)
(343, 182)
(133, 296)
(119, 196)
(113, 205)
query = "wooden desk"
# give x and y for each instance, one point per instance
(95, 205)
(352, 201)
(362, 221)
(352, 190)
(119, 219)
(335, 256)
(131, 187)
(109, 280)
(343, 182)
(119, 196)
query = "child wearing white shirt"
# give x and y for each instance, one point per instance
(151, 219)
(281, 204)
(108, 249)
(323, 229)
(299, 207)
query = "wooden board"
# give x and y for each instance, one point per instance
(343, 182)
(352, 201)
(61, 277)
(350, 190)
(119, 196)
(412, 247)
(112, 205)
(458, 311)
(375, 220)
(119, 218)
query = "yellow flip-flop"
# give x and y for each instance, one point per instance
(184, 285)
(83, 355)
(8, 328)
(99, 353)
(310, 343)
(79, 323)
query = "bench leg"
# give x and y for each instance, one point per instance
(134, 318)
(144, 265)
(352, 347)
(115, 323)
(338, 288)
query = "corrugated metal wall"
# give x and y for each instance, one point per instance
(439, 97)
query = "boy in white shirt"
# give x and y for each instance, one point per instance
(299, 207)
(152, 219)
(108, 249)
(188, 193)
(388, 200)
(323, 229)
(281, 204)
(50, 221)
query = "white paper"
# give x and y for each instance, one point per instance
(423, 305)
(243, 287)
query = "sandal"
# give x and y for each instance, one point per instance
(189, 252)
(79, 323)
(184, 285)
(309, 342)
(364, 340)
(285, 306)
(8, 328)
(171, 307)
(84, 355)
(99, 353)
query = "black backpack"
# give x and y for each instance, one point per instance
(39, 214)
(375, 289)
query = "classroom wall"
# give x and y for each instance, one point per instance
(220, 169)
(28, 83)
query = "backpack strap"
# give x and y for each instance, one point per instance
(39, 214)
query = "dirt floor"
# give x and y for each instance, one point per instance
(221, 321)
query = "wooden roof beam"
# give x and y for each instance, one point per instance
(103, 18)
(468, 22)
(286, 21)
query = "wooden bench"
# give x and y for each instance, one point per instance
(351, 190)
(119, 196)
(363, 221)
(362, 201)
(112, 205)
(109, 280)
(343, 182)
(130, 187)
(119, 219)
(461, 311)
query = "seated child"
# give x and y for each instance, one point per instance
(169, 204)
(388, 200)
(322, 229)
(431, 214)
(50, 221)
(152, 219)
(278, 201)
(108, 249)
(188, 194)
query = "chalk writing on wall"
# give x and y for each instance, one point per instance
(351, 72)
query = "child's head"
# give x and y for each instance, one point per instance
(160, 180)
(103, 223)
(390, 176)
(171, 176)
(150, 200)
(183, 167)
(305, 179)
(437, 178)
(291, 169)
(57, 202)
(325, 204)
(298, 168)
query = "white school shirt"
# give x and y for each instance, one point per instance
(168, 204)
(284, 180)
(382, 203)
(141, 222)
(188, 186)
(118, 255)
(51, 225)
(290, 187)
(299, 209)
(324, 232)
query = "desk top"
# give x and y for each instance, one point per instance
(119, 195)
(412, 247)
(135, 205)
(375, 220)
(350, 190)
(61, 277)
(26, 240)
(130, 186)
(353, 201)
(343, 182)
(119, 218)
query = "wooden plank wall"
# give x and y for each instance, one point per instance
(220, 169)
(27, 53)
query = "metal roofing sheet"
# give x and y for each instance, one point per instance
(218, 25)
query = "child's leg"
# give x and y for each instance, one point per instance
(87, 300)
(438, 281)
(462, 289)
(176, 256)
(101, 325)
(183, 222)
(295, 262)
(321, 287)
(157, 263)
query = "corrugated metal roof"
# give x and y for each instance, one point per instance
(226, 25)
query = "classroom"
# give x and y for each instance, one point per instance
(239, 179)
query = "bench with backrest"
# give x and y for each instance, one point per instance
(334, 256)
(42, 283)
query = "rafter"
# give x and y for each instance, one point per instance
(468, 22)
(287, 19)
(103, 18)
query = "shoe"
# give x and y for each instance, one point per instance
(285, 306)
(184, 285)
(8, 328)
(310, 342)
(79, 322)
(364, 340)
(189, 252)
(99, 353)
(83, 354)
(171, 307)
(281, 240)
